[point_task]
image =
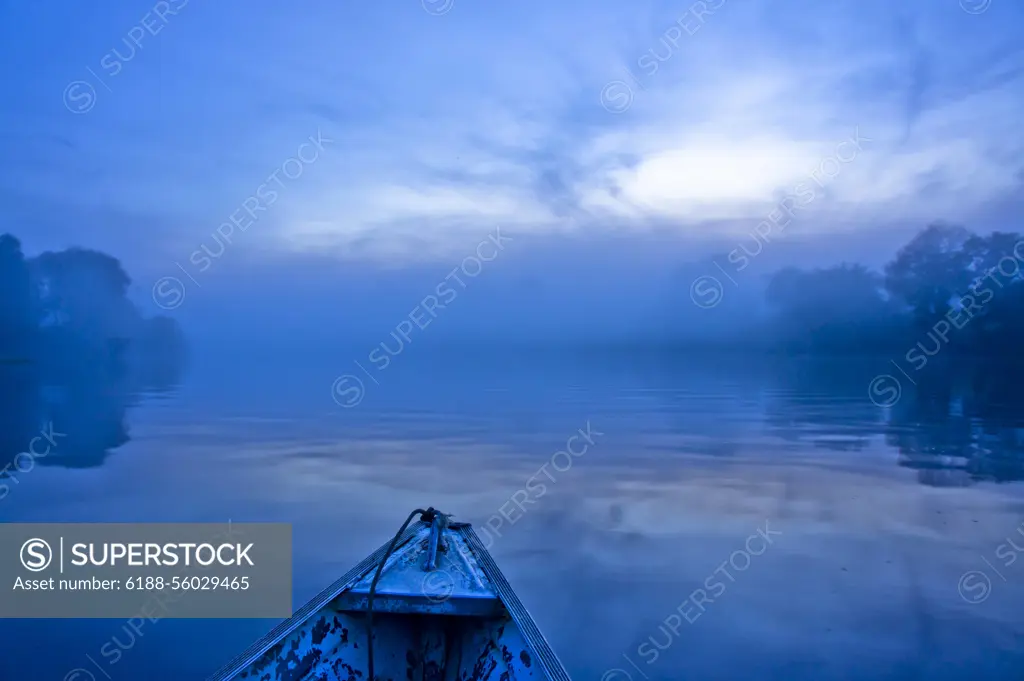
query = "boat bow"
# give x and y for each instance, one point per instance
(441, 610)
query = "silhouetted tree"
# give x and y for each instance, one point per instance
(829, 308)
(19, 311)
(84, 301)
(947, 290)
(931, 271)
(69, 312)
(995, 299)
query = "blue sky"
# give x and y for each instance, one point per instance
(448, 117)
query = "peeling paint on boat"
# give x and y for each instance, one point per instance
(457, 622)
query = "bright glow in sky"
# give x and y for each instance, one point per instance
(447, 124)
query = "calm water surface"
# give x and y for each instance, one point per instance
(875, 514)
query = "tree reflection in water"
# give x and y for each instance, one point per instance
(75, 354)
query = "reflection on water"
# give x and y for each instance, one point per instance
(72, 421)
(954, 437)
(881, 510)
(954, 429)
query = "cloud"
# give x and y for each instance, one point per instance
(449, 125)
(727, 121)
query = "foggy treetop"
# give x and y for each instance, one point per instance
(947, 286)
(69, 310)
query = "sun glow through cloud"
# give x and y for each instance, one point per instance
(485, 116)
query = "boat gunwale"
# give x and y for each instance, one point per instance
(549, 662)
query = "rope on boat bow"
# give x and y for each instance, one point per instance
(426, 516)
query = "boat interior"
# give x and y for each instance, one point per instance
(441, 611)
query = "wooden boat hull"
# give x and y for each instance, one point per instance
(456, 621)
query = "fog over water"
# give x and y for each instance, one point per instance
(323, 265)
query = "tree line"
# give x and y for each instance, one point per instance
(68, 311)
(947, 289)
